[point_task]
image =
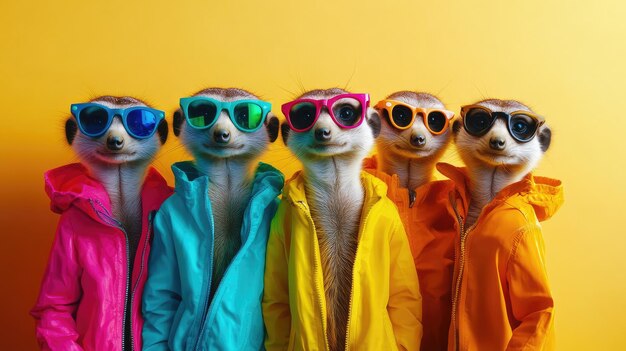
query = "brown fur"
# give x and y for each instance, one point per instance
(120, 100)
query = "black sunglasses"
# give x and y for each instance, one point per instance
(522, 125)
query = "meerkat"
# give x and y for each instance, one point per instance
(500, 272)
(227, 155)
(414, 136)
(331, 158)
(120, 163)
(496, 159)
(412, 153)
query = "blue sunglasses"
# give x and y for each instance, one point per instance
(247, 115)
(94, 119)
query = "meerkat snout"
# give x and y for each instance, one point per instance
(115, 142)
(497, 143)
(418, 140)
(221, 136)
(322, 134)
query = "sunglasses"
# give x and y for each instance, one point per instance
(94, 119)
(247, 115)
(522, 125)
(346, 110)
(403, 115)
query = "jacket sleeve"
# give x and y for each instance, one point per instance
(162, 295)
(531, 300)
(405, 301)
(60, 294)
(276, 312)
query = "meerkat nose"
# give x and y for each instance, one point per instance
(497, 143)
(418, 140)
(115, 142)
(322, 134)
(221, 136)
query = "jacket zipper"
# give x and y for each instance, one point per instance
(356, 254)
(205, 309)
(143, 254)
(119, 226)
(459, 278)
(317, 268)
(207, 306)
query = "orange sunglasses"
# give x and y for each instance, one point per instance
(402, 116)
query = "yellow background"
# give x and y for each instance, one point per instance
(566, 59)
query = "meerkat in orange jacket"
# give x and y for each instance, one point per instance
(501, 296)
(414, 135)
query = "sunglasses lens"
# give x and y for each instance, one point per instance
(248, 116)
(201, 113)
(436, 121)
(523, 127)
(141, 123)
(347, 111)
(477, 121)
(93, 120)
(402, 116)
(302, 115)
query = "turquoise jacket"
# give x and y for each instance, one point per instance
(175, 300)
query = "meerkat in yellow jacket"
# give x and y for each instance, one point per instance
(339, 272)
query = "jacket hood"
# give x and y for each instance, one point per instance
(295, 191)
(545, 195)
(70, 184)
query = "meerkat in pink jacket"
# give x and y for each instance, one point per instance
(91, 290)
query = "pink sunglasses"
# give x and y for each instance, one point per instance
(347, 111)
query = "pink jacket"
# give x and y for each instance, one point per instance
(82, 302)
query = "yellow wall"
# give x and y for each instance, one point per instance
(567, 59)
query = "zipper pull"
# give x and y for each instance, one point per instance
(412, 197)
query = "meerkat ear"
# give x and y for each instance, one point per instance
(163, 130)
(373, 119)
(384, 115)
(456, 126)
(545, 138)
(284, 131)
(71, 128)
(177, 122)
(271, 124)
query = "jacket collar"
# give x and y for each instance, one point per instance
(544, 194)
(71, 185)
(193, 186)
(374, 189)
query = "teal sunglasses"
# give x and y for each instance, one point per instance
(247, 115)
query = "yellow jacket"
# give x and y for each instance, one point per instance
(385, 311)
(501, 296)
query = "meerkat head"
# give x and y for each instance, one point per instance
(216, 133)
(503, 133)
(328, 123)
(415, 126)
(135, 133)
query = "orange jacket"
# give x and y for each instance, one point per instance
(501, 296)
(431, 233)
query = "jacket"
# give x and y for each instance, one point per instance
(82, 301)
(431, 233)
(176, 308)
(501, 297)
(385, 308)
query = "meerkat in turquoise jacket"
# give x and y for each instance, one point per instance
(205, 280)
